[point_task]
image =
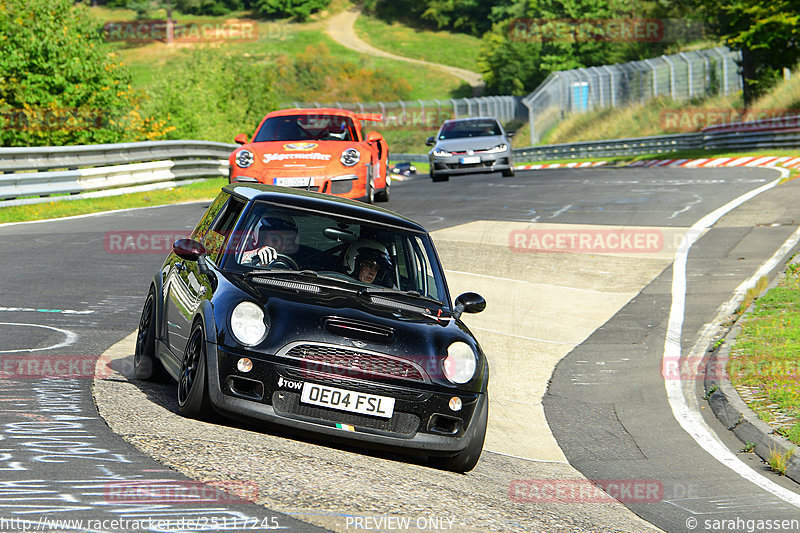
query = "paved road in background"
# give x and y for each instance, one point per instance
(611, 423)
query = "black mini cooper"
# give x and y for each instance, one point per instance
(322, 315)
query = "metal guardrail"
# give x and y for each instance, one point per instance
(57, 170)
(783, 132)
(610, 148)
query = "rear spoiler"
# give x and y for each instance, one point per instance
(374, 117)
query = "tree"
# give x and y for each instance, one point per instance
(58, 85)
(768, 33)
(300, 9)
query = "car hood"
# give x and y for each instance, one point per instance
(470, 143)
(356, 323)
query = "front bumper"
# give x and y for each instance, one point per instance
(488, 163)
(422, 421)
(346, 186)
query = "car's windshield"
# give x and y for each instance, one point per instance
(274, 239)
(458, 129)
(307, 128)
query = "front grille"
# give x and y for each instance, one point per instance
(303, 374)
(288, 403)
(355, 362)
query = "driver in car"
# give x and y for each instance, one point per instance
(274, 236)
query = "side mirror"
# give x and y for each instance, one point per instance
(469, 302)
(188, 249)
(509, 134)
(374, 136)
(240, 139)
(430, 142)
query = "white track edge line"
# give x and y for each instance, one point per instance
(691, 420)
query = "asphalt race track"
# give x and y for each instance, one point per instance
(576, 344)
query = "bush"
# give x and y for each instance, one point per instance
(58, 85)
(300, 9)
(206, 94)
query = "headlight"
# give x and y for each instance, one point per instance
(441, 153)
(460, 363)
(247, 323)
(244, 158)
(497, 149)
(350, 157)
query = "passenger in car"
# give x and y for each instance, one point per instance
(368, 261)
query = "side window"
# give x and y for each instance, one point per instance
(214, 239)
(210, 215)
(217, 223)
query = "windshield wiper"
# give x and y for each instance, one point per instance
(366, 291)
(269, 272)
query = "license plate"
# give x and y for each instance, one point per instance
(470, 160)
(345, 400)
(294, 182)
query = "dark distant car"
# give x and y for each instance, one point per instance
(318, 314)
(404, 169)
(468, 145)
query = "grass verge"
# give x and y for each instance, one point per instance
(764, 363)
(204, 190)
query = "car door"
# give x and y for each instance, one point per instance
(186, 287)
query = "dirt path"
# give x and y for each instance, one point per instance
(340, 28)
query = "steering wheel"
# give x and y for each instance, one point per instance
(282, 260)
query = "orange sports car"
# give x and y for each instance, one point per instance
(321, 150)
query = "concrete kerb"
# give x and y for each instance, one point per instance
(734, 413)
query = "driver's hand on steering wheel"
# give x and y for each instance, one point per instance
(265, 255)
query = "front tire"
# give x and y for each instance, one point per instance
(193, 401)
(438, 177)
(509, 172)
(467, 458)
(370, 190)
(146, 365)
(383, 196)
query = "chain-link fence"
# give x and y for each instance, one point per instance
(679, 76)
(429, 114)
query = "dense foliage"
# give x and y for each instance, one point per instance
(768, 33)
(211, 95)
(57, 84)
(515, 62)
(299, 9)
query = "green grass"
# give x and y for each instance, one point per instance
(148, 62)
(766, 355)
(454, 49)
(204, 190)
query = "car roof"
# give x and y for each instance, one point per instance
(469, 119)
(313, 111)
(321, 202)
